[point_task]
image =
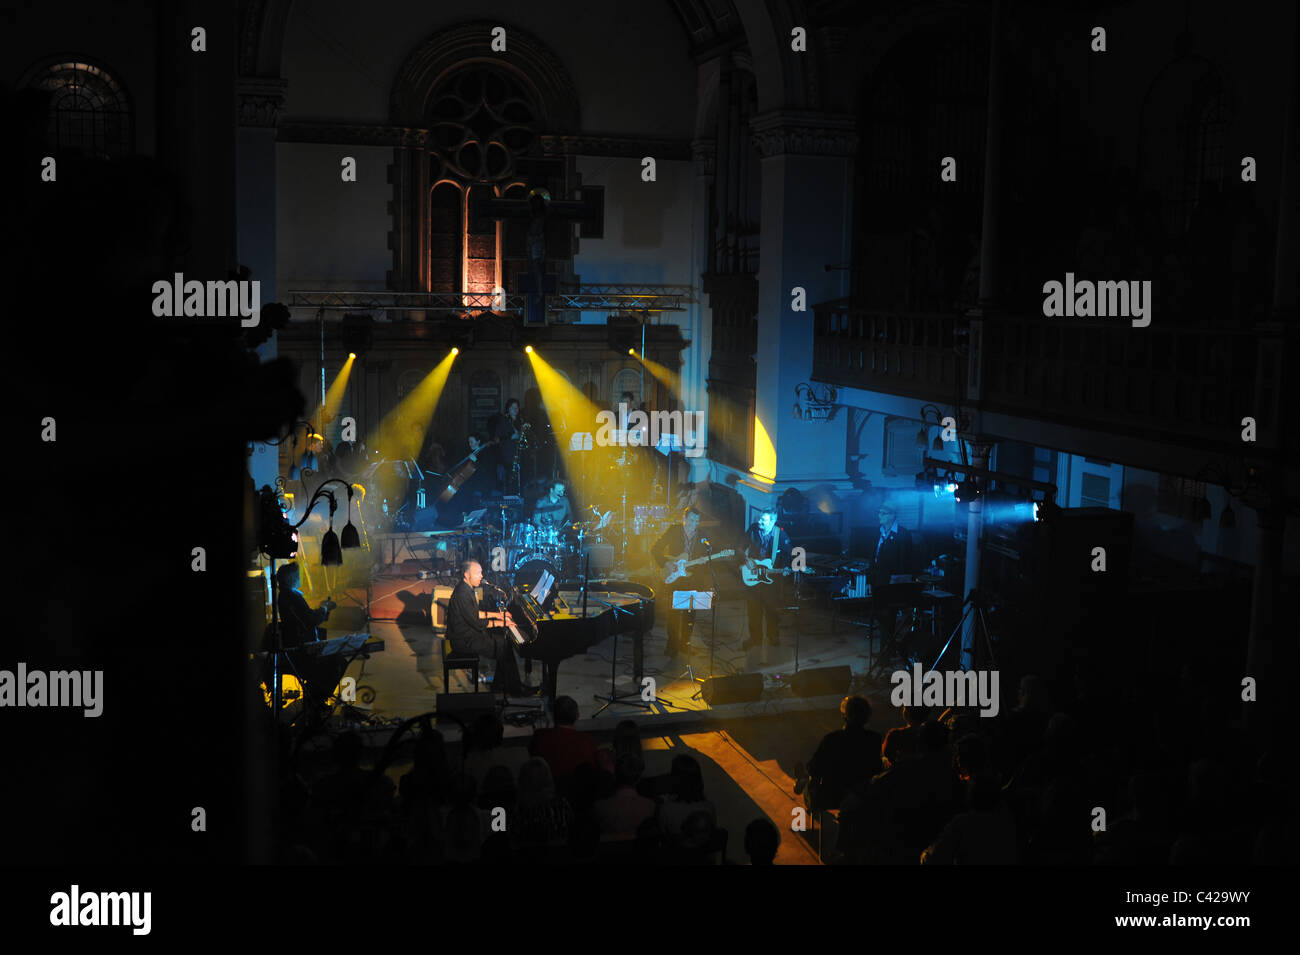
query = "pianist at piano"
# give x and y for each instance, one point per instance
(468, 631)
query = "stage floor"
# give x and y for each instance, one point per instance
(748, 750)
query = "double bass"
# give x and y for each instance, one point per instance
(462, 472)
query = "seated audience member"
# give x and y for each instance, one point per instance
(627, 739)
(542, 818)
(486, 749)
(498, 790)
(351, 798)
(762, 839)
(910, 803)
(686, 797)
(983, 835)
(905, 741)
(846, 759)
(563, 747)
(621, 815)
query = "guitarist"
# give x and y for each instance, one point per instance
(682, 541)
(770, 545)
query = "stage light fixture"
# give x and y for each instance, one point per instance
(967, 491)
(455, 351)
(352, 354)
(528, 349)
(357, 333)
(632, 352)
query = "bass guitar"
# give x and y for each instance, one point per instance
(677, 569)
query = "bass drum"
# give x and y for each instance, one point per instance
(529, 570)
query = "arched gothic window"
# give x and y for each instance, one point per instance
(482, 123)
(89, 109)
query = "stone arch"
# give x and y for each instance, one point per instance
(459, 47)
(261, 36)
(784, 77)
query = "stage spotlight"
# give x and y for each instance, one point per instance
(1045, 511)
(455, 351)
(357, 333)
(352, 354)
(1227, 520)
(632, 352)
(967, 491)
(528, 349)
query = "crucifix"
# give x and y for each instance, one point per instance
(541, 210)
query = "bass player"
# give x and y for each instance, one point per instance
(767, 559)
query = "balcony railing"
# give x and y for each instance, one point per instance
(1191, 381)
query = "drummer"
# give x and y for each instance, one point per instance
(553, 509)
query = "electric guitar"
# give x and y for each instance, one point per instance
(677, 569)
(762, 573)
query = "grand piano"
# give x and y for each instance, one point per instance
(551, 636)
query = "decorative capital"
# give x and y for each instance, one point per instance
(799, 133)
(261, 100)
(704, 153)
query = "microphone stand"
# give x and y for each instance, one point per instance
(713, 614)
(630, 699)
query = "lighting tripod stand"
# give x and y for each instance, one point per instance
(976, 603)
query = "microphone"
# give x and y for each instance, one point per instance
(706, 542)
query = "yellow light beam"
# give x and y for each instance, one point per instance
(400, 434)
(661, 374)
(764, 453)
(323, 415)
(571, 414)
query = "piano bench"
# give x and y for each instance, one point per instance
(451, 660)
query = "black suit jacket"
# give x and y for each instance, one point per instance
(298, 622)
(673, 542)
(756, 550)
(464, 624)
(896, 555)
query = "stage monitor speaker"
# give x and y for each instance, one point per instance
(822, 681)
(464, 707)
(745, 688)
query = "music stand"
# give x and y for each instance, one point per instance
(694, 600)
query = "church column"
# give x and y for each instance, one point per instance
(409, 208)
(695, 369)
(981, 450)
(722, 262)
(1275, 396)
(806, 222)
(990, 249)
(195, 125)
(261, 100)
